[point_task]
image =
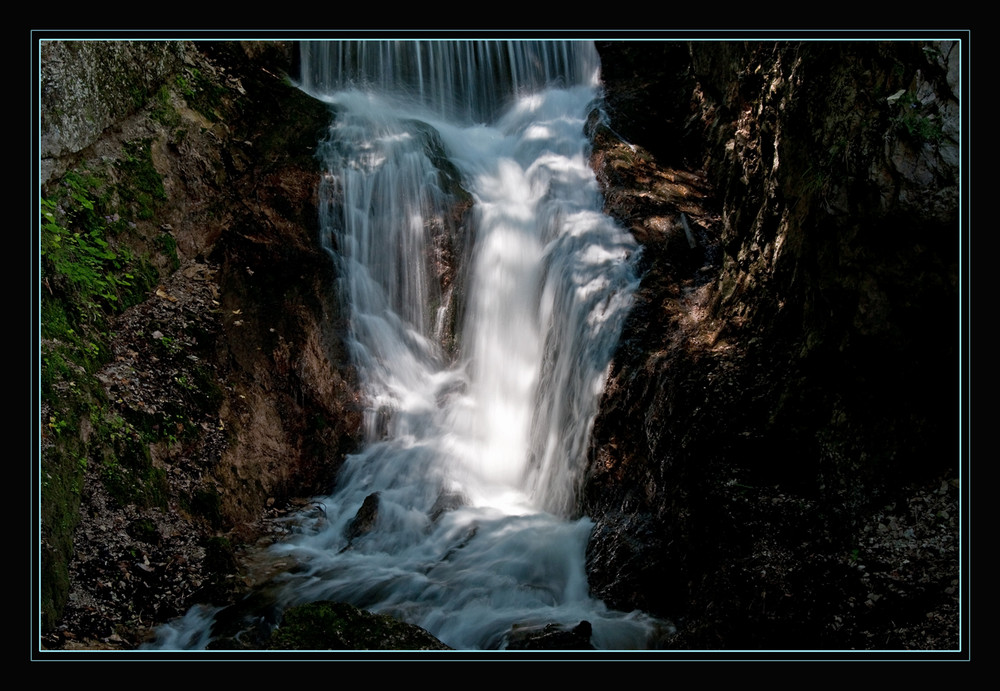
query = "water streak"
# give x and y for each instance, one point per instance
(474, 453)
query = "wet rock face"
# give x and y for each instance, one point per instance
(364, 520)
(777, 384)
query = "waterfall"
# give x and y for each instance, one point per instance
(485, 290)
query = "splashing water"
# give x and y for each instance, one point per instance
(482, 340)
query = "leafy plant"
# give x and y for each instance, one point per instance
(915, 121)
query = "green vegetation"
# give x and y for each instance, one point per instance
(163, 111)
(127, 470)
(201, 93)
(814, 180)
(913, 119)
(88, 274)
(168, 247)
(141, 187)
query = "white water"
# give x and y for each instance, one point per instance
(499, 431)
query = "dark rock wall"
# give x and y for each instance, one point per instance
(798, 369)
(845, 222)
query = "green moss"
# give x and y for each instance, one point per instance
(201, 93)
(328, 625)
(140, 186)
(164, 111)
(126, 466)
(68, 393)
(138, 95)
(168, 247)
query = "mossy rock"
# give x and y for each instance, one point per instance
(325, 625)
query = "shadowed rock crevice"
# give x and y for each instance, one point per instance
(787, 384)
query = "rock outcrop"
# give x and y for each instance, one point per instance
(336, 626)
(786, 386)
(224, 392)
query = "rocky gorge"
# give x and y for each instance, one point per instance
(774, 462)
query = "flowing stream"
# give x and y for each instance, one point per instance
(486, 292)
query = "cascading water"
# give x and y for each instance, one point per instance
(471, 471)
